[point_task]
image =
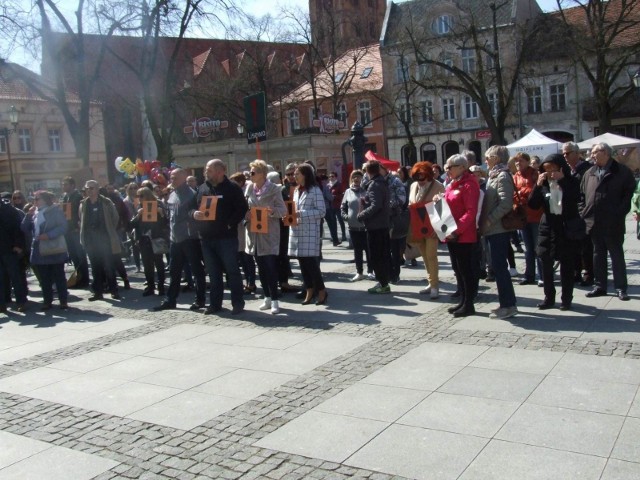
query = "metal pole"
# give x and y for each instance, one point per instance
(5, 134)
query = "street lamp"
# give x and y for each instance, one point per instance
(636, 79)
(6, 133)
(240, 129)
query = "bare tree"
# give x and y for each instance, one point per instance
(603, 38)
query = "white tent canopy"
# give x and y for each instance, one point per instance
(535, 143)
(613, 140)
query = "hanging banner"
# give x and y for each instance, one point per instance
(149, 211)
(441, 219)
(259, 220)
(420, 224)
(291, 218)
(255, 117)
(208, 205)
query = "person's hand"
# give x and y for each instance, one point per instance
(557, 175)
(636, 217)
(541, 178)
(198, 215)
(32, 211)
(17, 250)
(452, 237)
(436, 197)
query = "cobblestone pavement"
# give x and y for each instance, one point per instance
(312, 357)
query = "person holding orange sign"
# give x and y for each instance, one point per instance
(266, 207)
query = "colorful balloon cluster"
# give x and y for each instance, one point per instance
(144, 170)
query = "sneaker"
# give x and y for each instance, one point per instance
(275, 307)
(513, 272)
(266, 305)
(380, 289)
(540, 283)
(425, 291)
(506, 312)
(435, 294)
(371, 276)
(357, 277)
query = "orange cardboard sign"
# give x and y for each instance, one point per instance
(208, 206)
(292, 190)
(259, 220)
(420, 223)
(291, 218)
(66, 208)
(149, 211)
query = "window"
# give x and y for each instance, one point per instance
(448, 61)
(366, 72)
(470, 108)
(54, 140)
(341, 114)
(491, 64)
(24, 137)
(405, 113)
(468, 60)
(443, 24)
(558, 99)
(402, 70)
(423, 71)
(426, 111)
(364, 112)
(3, 144)
(492, 98)
(339, 77)
(534, 100)
(314, 114)
(294, 121)
(448, 109)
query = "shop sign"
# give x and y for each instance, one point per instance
(205, 126)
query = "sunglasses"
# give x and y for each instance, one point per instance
(289, 174)
(252, 173)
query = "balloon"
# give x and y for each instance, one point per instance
(117, 163)
(128, 167)
(139, 166)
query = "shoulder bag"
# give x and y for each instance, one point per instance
(516, 218)
(52, 246)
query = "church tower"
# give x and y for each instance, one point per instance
(338, 25)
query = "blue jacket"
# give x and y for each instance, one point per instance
(54, 226)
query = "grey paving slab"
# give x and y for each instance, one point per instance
(582, 394)
(47, 345)
(418, 453)
(107, 325)
(517, 360)
(322, 435)
(185, 375)
(134, 368)
(604, 369)
(145, 344)
(16, 448)
(460, 414)
(375, 402)
(57, 463)
(405, 373)
(243, 383)
(90, 361)
(444, 354)
(508, 461)
(615, 325)
(276, 339)
(32, 379)
(563, 429)
(328, 344)
(550, 324)
(289, 362)
(619, 470)
(628, 444)
(635, 406)
(78, 388)
(483, 323)
(232, 335)
(186, 410)
(497, 384)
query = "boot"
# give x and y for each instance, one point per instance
(266, 305)
(275, 307)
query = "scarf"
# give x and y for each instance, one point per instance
(498, 169)
(555, 198)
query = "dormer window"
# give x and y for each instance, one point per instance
(339, 77)
(443, 24)
(366, 72)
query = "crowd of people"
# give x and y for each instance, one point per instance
(569, 213)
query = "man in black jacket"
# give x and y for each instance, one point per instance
(78, 256)
(12, 246)
(606, 190)
(184, 245)
(219, 237)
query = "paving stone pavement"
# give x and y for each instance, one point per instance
(369, 386)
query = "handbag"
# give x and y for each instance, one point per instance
(400, 224)
(52, 246)
(516, 218)
(160, 246)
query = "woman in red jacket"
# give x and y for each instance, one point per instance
(462, 195)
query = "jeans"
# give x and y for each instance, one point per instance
(187, 251)
(10, 269)
(530, 238)
(359, 239)
(78, 256)
(102, 267)
(396, 246)
(50, 274)
(220, 257)
(604, 242)
(267, 271)
(499, 245)
(149, 261)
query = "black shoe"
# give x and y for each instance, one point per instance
(324, 300)
(164, 306)
(454, 308)
(237, 310)
(490, 278)
(483, 274)
(546, 304)
(301, 294)
(161, 291)
(46, 307)
(147, 292)
(596, 292)
(527, 281)
(565, 306)
(464, 312)
(519, 249)
(187, 288)
(211, 310)
(96, 296)
(587, 282)
(196, 306)
(127, 285)
(622, 295)
(115, 296)
(455, 294)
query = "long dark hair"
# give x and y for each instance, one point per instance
(309, 175)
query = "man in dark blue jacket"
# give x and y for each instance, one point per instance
(12, 246)
(219, 237)
(184, 244)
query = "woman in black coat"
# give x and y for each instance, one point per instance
(561, 228)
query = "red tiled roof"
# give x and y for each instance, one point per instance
(14, 84)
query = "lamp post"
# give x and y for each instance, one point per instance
(636, 80)
(357, 142)
(6, 133)
(240, 129)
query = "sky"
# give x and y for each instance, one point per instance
(256, 7)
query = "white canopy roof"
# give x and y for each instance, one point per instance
(535, 143)
(613, 140)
